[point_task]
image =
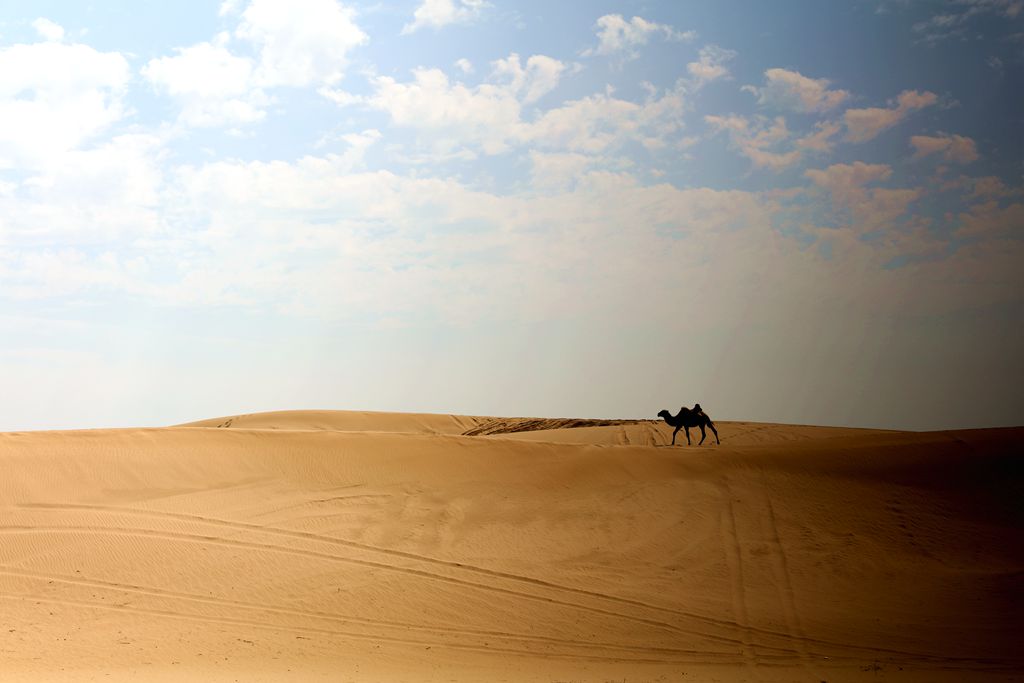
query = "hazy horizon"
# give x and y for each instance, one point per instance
(794, 212)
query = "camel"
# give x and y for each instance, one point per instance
(689, 418)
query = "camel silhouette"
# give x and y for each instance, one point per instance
(687, 418)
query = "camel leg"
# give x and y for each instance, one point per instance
(687, 435)
(716, 433)
(674, 436)
(703, 434)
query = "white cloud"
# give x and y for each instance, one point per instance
(389, 246)
(869, 208)
(792, 90)
(559, 171)
(490, 115)
(590, 124)
(710, 65)
(953, 22)
(54, 97)
(108, 191)
(617, 35)
(213, 86)
(487, 115)
(761, 140)
(601, 122)
(955, 148)
(314, 238)
(940, 27)
(846, 181)
(229, 7)
(204, 70)
(882, 207)
(439, 13)
(992, 220)
(539, 77)
(297, 45)
(48, 30)
(67, 231)
(989, 187)
(356, 146)
(64, 272)
(464, 65)
(821, 139)
(300, 43)
(864, 124)
(340, 97)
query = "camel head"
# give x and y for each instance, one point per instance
(664, 414)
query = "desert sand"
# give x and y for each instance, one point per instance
(348, 546)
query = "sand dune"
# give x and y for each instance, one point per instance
(322, 545)
(652, 432)
(346, 421)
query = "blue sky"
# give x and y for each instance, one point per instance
(797, 211)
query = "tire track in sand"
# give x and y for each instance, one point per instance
(351, 635)
(342, 619)
(782, 578)
(734, 560)
(265, 547)
(719, 625)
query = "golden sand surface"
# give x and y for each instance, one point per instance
(357, 546)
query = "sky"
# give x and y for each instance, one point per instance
(804, 212)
